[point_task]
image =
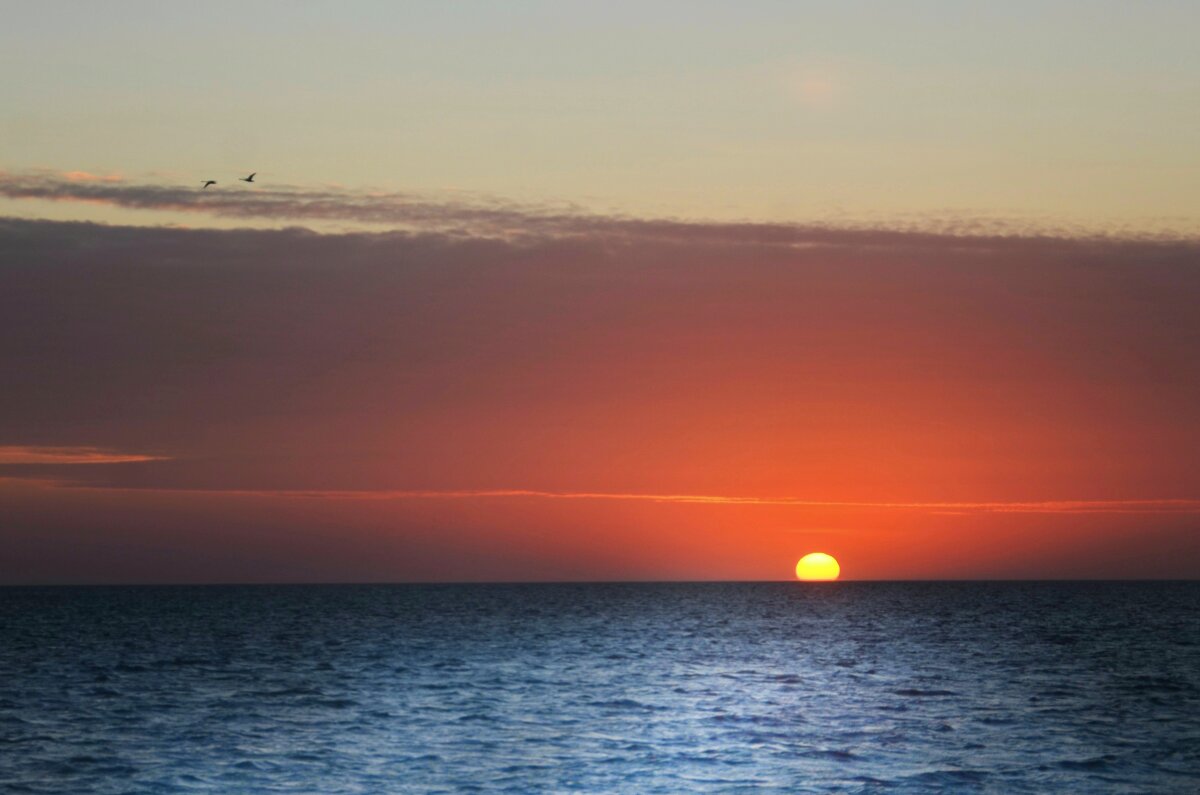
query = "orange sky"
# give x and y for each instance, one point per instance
(237, 405)
(915, 285)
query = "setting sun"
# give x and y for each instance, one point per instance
(817, 566)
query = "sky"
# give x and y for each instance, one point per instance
(561, 291)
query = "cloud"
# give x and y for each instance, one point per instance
(84, 176)
(498, 218)
(41, 456)
(845, 367)
(1133, 507)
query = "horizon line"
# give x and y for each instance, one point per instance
(391, 583)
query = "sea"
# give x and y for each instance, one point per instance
(843, 687)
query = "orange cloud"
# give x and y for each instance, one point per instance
(1150, 506)
(25, 455)
(84, 176)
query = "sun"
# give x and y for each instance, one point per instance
(817, 566)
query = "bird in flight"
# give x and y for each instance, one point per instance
(209, 182)
(249, 178)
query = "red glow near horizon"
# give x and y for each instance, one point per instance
(289, 406)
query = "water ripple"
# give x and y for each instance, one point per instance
(985, 687)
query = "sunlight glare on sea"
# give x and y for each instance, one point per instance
(787, 687)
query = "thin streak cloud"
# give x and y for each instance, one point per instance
(1145, 506)
(18, 455)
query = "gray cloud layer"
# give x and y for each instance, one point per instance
(914, 366)
(487, 217)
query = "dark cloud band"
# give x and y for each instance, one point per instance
(505, 219)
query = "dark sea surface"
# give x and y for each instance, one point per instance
(723, 687)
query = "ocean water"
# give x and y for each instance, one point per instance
(638, 688)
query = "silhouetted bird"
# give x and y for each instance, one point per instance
(210, 182)
(247, 179)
